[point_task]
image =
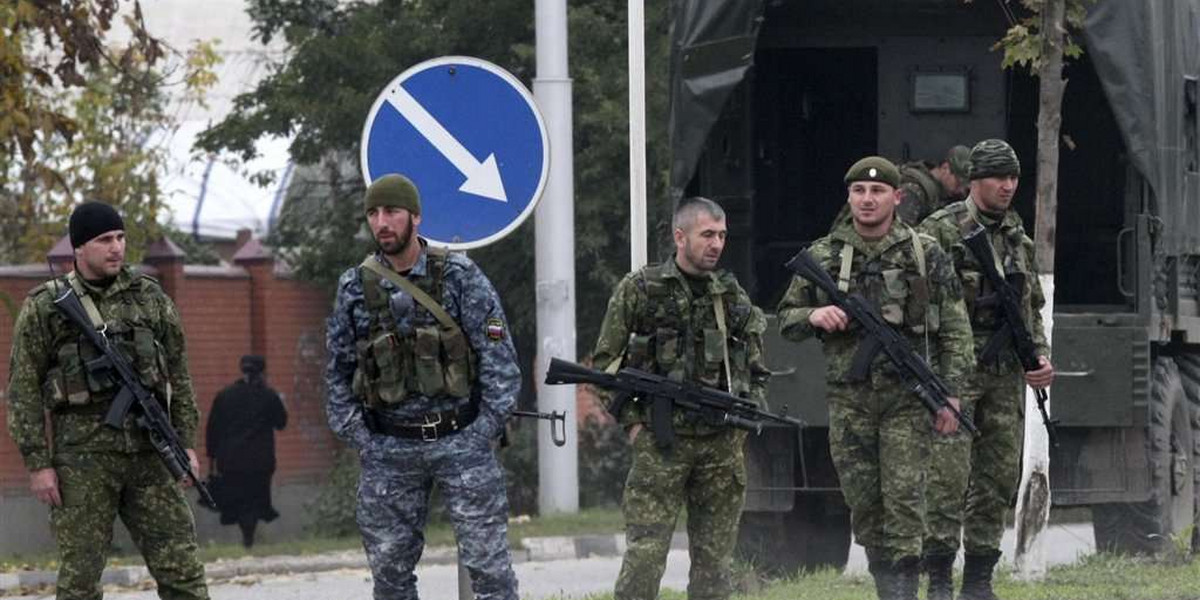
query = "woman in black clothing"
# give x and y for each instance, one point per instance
(240, 441)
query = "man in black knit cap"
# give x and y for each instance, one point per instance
(89, 473)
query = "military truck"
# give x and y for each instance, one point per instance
(773, 100)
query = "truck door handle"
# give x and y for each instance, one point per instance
(1121, 263)
(783, 372)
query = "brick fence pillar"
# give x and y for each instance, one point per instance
(167, 259)
(257, 260)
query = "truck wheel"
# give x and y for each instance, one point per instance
(1189, 371)
(1147, 527)
(815, 534)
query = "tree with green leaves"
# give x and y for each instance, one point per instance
(79, 119)
(1042, 42)
(339, 58)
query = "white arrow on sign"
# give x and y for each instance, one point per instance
(483, 178)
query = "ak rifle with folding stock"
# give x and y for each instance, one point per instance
(133, 396)
(662, 395)
(1013, 333)
(878, 336)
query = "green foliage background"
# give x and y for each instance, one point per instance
(341, 56)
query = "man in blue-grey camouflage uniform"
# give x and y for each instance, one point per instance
(421, 378)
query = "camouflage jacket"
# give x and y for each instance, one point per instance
(920, 192)
(1015, 252)
(45, 343)
(470, 299)
(928, 310)
(655, 323)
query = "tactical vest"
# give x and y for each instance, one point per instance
(903, 297)
(127, 323)
(680, 336)
(1008, 245)
(429, 358)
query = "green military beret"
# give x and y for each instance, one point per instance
(393, 190)
(959, 159)
(874, 168)
(994, 158)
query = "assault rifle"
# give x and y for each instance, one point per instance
(1012, 334)
(714, 407)
(150, 414)
(878, 337)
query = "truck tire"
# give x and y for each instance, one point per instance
(1189, 371)
(1148, 527)
(815, 534)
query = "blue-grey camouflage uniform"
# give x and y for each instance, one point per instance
(398, 474)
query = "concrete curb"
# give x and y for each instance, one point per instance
(532, 550)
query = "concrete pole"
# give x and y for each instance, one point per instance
(558, 467)
(637, 134)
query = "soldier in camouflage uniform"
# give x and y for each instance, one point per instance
(690, 321)
(421, 378)
(89, 473)
(995, 390)
(879, 432)
(926, 187)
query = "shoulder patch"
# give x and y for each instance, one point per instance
(494, 328)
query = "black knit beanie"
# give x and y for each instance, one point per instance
(92, 219)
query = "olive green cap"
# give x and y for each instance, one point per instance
(994, 158)
(393, 190)
(959, 159)
(874, 168)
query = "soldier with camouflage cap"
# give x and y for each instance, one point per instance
(690, 321)
(422, 376)
(987, 469)
(90, 473)
(879, 432)
(926, 187)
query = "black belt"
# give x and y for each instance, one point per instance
(429, 428)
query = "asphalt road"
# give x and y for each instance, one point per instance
(560, 579)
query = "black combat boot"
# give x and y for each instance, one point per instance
(941, 575)
(907, 576)
(881, 571)
(977, 576)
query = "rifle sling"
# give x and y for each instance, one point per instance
(433, 306)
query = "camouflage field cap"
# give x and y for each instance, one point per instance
(393, 190)
(959, 159)
(994, 158)
(874, 168)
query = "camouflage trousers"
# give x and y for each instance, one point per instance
(96, 487)
(972, 482)
(708, 475)
(879, 439)
(397, 479)
(995, 459)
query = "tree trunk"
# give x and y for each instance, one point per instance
(1033, 498)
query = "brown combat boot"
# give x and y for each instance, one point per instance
(941, 576)
(977, 576)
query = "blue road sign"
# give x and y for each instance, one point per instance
(470, 136)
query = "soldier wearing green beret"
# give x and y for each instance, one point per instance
(986, 469)
(89, 473)
(928, 186)
(879, 432)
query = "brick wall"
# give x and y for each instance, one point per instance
(249, 308)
